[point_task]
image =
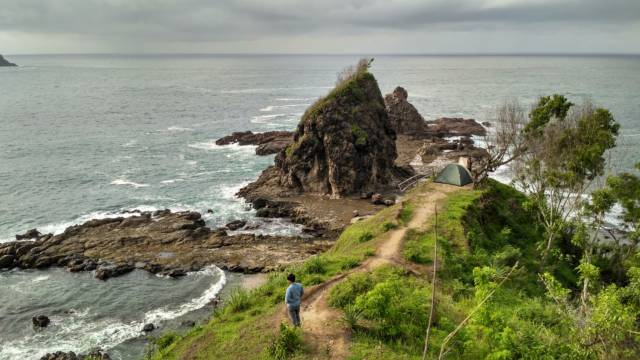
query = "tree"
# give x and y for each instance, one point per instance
(505, 143)
(565, 153)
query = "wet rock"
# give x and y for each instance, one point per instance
(404, 117)
(209, 211)
(269, 142)
(176, 273)
(105, 272)
(40, 321)
(148, 328)
(389, 202)
(356, 213)
(456, 127)
(7, 261)
(188, 323)
(486, 124)
(377, 199)
(96, 354)
(236, 224)
(29, 234)
(60, 355)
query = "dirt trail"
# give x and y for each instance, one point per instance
(321, 323)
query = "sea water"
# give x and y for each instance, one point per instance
(92, 136)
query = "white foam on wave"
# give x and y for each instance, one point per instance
(260, 90)
(272, 107)
(58, 228)
(294, 99)
(128, 183)
(167, 313)
(178, 129)
(77, 332)
(234, 147)
(171, 181)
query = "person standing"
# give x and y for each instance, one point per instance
(292, 298)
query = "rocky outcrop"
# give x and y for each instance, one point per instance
(40, 321)
(4, 62)
(456, 127)
(269, 142)
(404, 117)
(344, 144)
(95, 354)
(160, 242)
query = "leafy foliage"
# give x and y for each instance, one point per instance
(285, 344)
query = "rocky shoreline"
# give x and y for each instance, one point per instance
(161, 242)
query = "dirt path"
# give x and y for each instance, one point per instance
(321, 323)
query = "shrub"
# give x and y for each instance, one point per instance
(315, 265)
(346, 292)
(406, 213)
(239, 300)
(388, 225)
(285, 344)
(365, 236)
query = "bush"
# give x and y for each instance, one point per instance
(365, 236)
(406, 213)
(285, 344)
(315, 265)
(239, 300)
(346, 292)
(388, 225)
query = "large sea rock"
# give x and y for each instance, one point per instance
(404, 117)
(343, 145)
(5, 62)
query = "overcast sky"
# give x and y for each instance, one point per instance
(327, 26)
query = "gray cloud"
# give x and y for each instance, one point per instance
(124, 23)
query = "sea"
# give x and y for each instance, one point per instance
(95, 136)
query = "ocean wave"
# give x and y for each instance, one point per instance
(58, 228)
(78, 332)
(171, 181)
(178, 129)
(294, 99)
(272, 107)
(234, 147)
(128, 183)
(260, 90)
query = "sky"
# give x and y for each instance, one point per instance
(323, 27)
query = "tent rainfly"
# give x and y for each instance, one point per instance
(454, 174)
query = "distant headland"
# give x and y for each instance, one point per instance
(5, 62)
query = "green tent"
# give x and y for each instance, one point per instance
(454, 174)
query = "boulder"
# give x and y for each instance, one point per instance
(40, 321)
(269, 142)
(236, 224)
(105, 272)
(29, 234)
(456, 127)
(7, 261)
(60, 355)
(148, 328)
(377, 199)
(404, 117)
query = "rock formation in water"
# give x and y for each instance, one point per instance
(269, 142)
(343, 145)
(4, 62)
(160, 242)
(404, 117)
(456, 127)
